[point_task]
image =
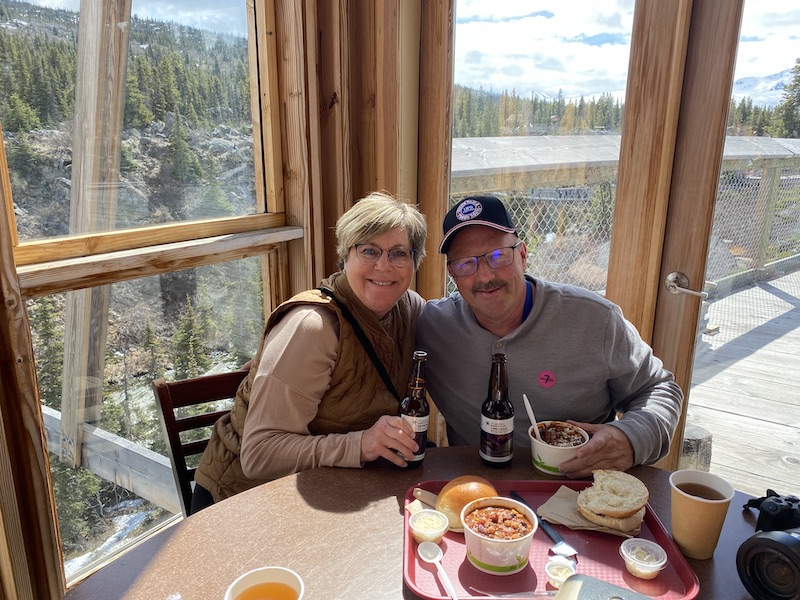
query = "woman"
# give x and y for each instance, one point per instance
(313, 397)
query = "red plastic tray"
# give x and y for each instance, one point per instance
(598, 555)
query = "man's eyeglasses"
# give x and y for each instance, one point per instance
(369, 254)
(497, 259)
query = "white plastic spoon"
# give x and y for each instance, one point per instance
(529, 408)
(432, 553)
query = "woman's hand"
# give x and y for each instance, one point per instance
(388, 437)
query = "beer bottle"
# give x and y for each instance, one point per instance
(497, 418)
(414, 408)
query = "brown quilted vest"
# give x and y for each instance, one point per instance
(357, 396)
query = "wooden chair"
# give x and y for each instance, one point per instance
(180, 411)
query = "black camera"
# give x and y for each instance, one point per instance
(776, 512)
(769, 561)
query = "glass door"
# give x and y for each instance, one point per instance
(743, 419)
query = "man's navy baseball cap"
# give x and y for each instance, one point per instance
(476, 210)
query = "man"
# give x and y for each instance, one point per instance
(569, 349)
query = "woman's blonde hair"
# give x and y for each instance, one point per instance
(376, 214)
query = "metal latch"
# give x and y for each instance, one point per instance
(678, 283)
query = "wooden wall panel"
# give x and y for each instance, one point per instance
(333, 67)
(435, 101)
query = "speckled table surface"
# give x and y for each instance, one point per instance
(342, 530)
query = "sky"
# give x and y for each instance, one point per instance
(580, 47)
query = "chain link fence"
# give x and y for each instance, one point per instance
(568, 228)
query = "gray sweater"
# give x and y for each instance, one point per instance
(575, 356)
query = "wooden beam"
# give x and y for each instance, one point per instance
(315, 211)
(265, 104)
(146, 473)
(410, 20)
(435, 101)
(652, 103)
(30, 552)
(294, 137)
(52, 249)
(700, 141)
(336, 131)
(99, 102)
(79, 273)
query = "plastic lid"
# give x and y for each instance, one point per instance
(644, 553)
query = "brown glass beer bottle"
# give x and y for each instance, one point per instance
(497, 418)
(414, 408)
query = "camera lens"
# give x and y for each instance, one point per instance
(769, 565)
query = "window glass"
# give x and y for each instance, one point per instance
(184, 324)
(743, 374)
(538, 103)
(181, 148)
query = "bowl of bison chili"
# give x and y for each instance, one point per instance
(498, 533)
(559, 443)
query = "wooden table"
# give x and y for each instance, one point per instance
(342, 530)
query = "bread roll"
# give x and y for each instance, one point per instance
(614, 500)
(457, 493)
(626, 524)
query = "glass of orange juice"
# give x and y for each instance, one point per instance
(267, 583)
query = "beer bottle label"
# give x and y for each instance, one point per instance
(497, 426)
(420, 427)
(497, 440)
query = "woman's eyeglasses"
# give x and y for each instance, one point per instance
(497, 259)
(369, 254)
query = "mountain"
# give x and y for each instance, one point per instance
(764, 91)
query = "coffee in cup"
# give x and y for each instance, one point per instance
(700, 502)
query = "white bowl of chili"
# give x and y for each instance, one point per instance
(560, 442)
(498, 533)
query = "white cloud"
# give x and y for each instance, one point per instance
(582, 47)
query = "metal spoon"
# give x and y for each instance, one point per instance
(531, 416)
(432, 553)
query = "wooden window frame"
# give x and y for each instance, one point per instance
(287, 96)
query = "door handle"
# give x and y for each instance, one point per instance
(678, 283)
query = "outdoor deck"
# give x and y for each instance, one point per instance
(746, 387)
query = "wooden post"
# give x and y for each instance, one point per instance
(30, 554)
(700, 142)
(436, 96)
(99, 102)
(765, 209)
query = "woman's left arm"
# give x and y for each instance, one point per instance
(293, 375)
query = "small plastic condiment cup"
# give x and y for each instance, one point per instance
(643, 559)
(558, 569)
(428, 525)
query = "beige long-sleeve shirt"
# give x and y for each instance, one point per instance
(276, 440)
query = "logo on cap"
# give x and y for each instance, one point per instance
(469, 209)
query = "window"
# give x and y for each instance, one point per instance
(130, 147)
(537, 107)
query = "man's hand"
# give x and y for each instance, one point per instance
(608, 448)
(386, 438)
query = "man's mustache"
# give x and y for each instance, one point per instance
(489, 286)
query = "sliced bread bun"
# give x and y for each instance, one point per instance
(626, 524)
(457, 493)
(615, 499)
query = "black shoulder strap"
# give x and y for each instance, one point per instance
(364, 342)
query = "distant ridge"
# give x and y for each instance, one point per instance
(764, 91)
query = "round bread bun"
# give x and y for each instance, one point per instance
(613, 494)
(457, 493)
(625, 524)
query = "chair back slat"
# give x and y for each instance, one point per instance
(174, 395)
